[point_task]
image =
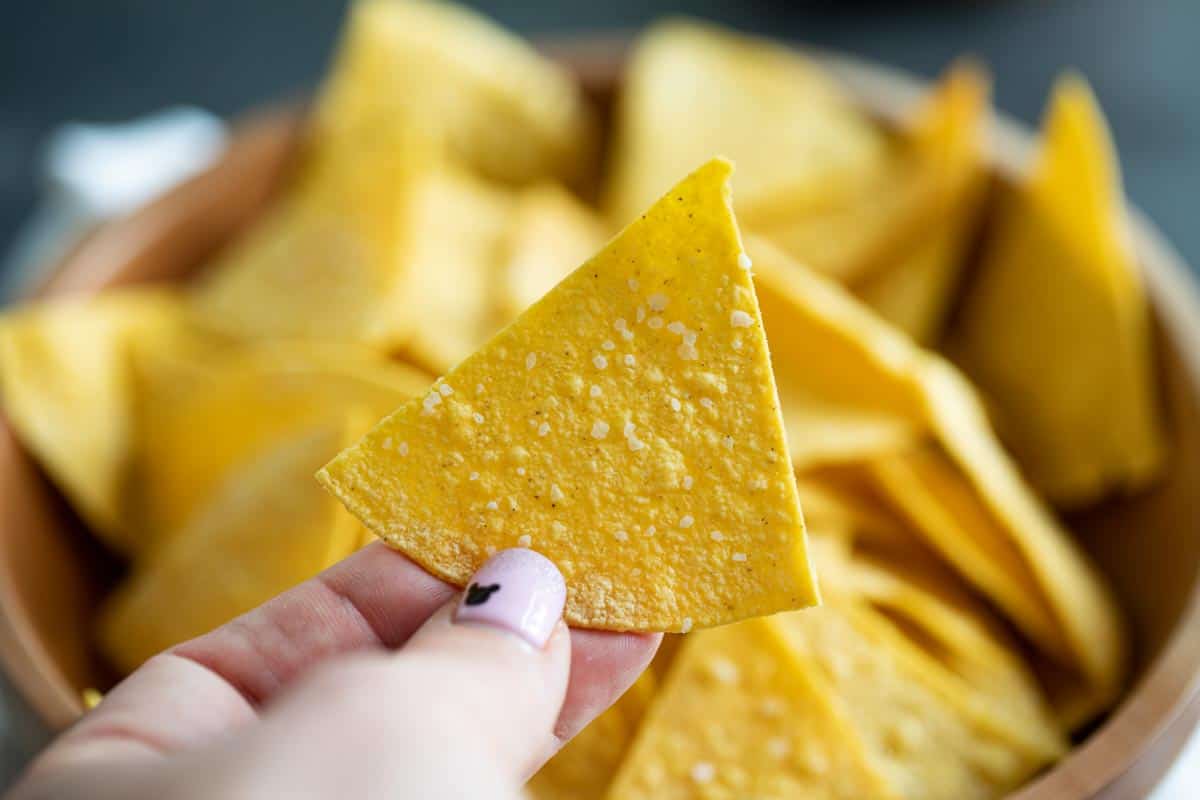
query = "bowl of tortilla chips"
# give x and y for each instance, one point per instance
(983, 370)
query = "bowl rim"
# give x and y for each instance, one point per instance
(1159, 712)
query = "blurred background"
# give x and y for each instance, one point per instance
(68, 61)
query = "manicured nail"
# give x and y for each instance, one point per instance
(517, 590)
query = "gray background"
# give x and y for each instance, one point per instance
(63, 60)
(95, 61)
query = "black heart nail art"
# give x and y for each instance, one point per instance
(478, 595)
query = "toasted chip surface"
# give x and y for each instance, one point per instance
(981, 515)
(743, 715)
(842, 377)
(550, 235)
(915, 718)
(1056, 329)
(67, 389)
(914, 287)
(267, 529)
(200, 418)
(626, 426)
(692, 90)
(392, 212)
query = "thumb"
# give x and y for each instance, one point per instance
(466, 708)
(502, 654)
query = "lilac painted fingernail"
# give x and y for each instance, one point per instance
(518, 590)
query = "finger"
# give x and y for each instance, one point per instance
(503, 655)
(603, 666)
(210, 685)
(375, 598)
(466, 708)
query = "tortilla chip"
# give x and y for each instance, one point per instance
(404, 265)
(919, 722)
(474, 93)
(915, 287)
(198, 419)
(842, 377)
(67, 392)
(940, 504)
(1092, 625)
(743, 715)
(626, 426)
(268, 528)
(388, 216)
(583, 769)
(896, 234)
(1069, 612)
(1056, 328)
(939, 615)
(453, 230)
(551, 234)
(692, 90)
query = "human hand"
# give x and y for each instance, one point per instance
(373, 679)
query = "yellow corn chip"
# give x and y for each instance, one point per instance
(1060, 601)
(239, 403)
(67, 391)
(626, 426)
(921, 725)
(467, 89)
(385, 222)
(552, 233)
(844, 500)
(941, 617)
(896, 234)
(914, 287)
(583, 769)
(743, 715)
(452, 235)
(841, 376)
(692, 90)
(1056, 327)
(404, 264)
(1087, 613)
(268, 528)
(943, 507)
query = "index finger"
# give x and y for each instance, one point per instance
(375, 599)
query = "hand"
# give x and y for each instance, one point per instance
(371, 680)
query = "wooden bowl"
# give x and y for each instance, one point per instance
(52, 575)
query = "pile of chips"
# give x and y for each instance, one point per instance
(951, 363)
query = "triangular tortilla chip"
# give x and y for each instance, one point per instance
(67, 392)
(878, 369)
(896, 234)
(583, 769)
(692, 90)
(1091, 622)
(920, 723)
(842, 380)
(452, 233)
(551, 234)
(743, 715)
(936, 498)
(626, 426)
(1058, 319)
(939, 615)
(268, 528)
(403, 265)
(914, 289)
(238, 403)
(388, 220)
(465, 88)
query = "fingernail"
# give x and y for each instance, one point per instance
(517, 590)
